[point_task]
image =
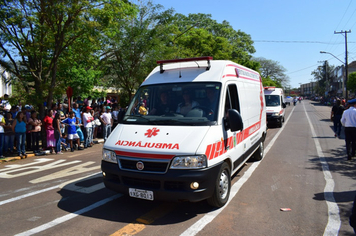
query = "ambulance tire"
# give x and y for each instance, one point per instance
(222, 187)
(258, 155)
(280, 124)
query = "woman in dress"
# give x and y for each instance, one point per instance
(48, 122)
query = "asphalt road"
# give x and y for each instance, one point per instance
(304, 169)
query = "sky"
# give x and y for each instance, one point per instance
(291, 33)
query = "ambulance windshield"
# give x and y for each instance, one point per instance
(272, 100)
(175, 104)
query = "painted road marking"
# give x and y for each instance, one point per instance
(334, 222)
(28, 195)
(63, 185)
(146, 219)
(12, 171)
(67, 217)
(206, 219)
(78, 169)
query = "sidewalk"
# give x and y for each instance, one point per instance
(31, 154)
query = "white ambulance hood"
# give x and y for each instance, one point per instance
(273, 109)
(148, 139)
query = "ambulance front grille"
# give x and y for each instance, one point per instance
(149, 166)
(141, 183)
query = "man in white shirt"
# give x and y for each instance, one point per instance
(88, 134)
(107, 121)
(348, 120)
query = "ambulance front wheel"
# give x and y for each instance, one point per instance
(222, 187)
(280, 123)
(258, 155)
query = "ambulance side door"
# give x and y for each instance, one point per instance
(236, 145)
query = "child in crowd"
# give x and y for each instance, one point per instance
(64, 142)
(71, 121)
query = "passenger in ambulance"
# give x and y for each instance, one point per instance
(212, 98)
(163, 107)
(187, 104)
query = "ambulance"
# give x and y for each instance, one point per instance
(275, 105)
(191, 125)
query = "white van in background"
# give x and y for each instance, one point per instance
(191, 125)
(275, 106)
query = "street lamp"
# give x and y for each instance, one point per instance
(345, 84)
(332, 55)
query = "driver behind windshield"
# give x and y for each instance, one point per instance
(163, 107)
(187, 104)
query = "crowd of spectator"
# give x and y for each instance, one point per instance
(65, 127)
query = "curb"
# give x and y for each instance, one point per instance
(7, 159)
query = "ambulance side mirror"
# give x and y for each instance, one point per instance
(234, 120)
(284, 105)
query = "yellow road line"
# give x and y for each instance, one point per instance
(146, 219)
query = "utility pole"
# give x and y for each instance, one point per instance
(346, 63)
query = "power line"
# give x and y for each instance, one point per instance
(284, 41)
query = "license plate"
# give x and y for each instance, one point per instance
(139, 193)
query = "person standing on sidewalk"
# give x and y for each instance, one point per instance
(87, 122)
(9, 137)
(35, 128)
(48, 122)
(107, 121)
(19, 127)
(2, 124)
(71, 121)
(57, 132)
(348, 120)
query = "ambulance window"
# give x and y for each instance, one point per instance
(231, 100)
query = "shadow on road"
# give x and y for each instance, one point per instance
(78, 196)
(337, 162)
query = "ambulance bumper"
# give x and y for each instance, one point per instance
(274, 119)
(174, 185)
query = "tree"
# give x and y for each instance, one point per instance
(34, 35)
(199, 35)
(323, 76)
(273, 70)
(269, 82)
(351, 82)
(133, 48)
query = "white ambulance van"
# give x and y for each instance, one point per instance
(275, 105)
(191, 125)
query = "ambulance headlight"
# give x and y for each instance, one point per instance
(189, 162)
(275, 114)
(109, 156)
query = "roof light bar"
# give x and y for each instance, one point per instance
(162, 62)
(270, 88)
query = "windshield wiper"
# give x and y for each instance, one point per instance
(141, 117)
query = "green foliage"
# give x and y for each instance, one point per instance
(132, 49)
(323, 76)
(36, 34)
(50, 45)
(270, 82)
(271, 70)
(199, 35)
(351, 82)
